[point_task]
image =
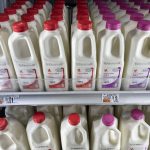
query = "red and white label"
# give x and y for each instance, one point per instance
(84, 77)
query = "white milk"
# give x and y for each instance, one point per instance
(105, 134)
(20, 113)
(32, 24)
(96, 112)
(37, 17)
(135, 131)
(7, 73)
(74, 134)
(42, 132)
(5, 23)
(53, 58)
(131, 24)
(12, 135)
(137, 58)
(13, 17)
(83, 57)
(25, 59)
(67, 110)
(124, 111)
(110, 57)
(55, 111)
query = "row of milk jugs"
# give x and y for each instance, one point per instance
(103, 133)
(111, 46)
(23, 49)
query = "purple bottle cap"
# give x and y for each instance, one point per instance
(108, 119)
(131, 10)
(103, 7)
(145, 6)
(124, 7)
(137, 17)
(144, 25)
(103, 10)
(113, 25)
(137, 114)
(138, 2)
(108, 16)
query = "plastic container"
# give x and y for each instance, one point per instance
(13, 17)
(4, 23)
(20, 113)
(19, 10)
(7, 73)
(83, 57)
(74, 134)
(110, 57)
(53, 58)
(96, 112)
(55, 111)
(137, 58)
(25, 60)
(105, 134)
(135, 131)
(144, 9)
(12, 135)
(42, 132)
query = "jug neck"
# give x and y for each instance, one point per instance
(112, 31)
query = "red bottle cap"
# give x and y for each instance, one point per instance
(20, 26)
(84, 25)
(50, 25)
(74, 119)
(38, 117)
(3, 17)
(3, 123)
(10, 11)
(27, 17)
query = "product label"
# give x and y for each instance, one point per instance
(110, 98)
(84, 77)
(5, 82)
(137, 147)
(42, 147)
(139, 77)
(111, 77)
(55, 76)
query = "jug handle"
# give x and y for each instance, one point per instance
(116, 131)
(16, 18)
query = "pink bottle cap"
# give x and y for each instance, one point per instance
(113, 25)
(137, 114)
(108, 119)
(144, 25)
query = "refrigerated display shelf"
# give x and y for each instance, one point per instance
(75, 97)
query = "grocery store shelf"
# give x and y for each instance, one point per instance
(75, 97)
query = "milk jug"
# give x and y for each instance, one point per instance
(110, 57)
(55, 111)
(20, 113)
(136, 71)
(74, 133)
(67, 110)
(131, 24)
(12, 135)
(19, 10)
(135, 131)
(144, 9)
(42, 132)
(7, 73)
(104, 134)
(53, 58)
(124, 111)
(13, 17)
(83, 57)
(96, 112)
(25, 59)
(37, 17)
(4, 22)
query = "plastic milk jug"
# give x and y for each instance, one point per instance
(12, 135)
(20, 113)
(53, 57)
(132, 24)
(13, 17)
(55, 111)
(4, 22)
(105, 133)
(74, 133)
(83, 57)
(144, 9)
(111, 57)
(135, 131)
(7, 72)
(96, 112)
(25, 58)
(19, 10)
(67, 110)
(137, 58)
(42, 132)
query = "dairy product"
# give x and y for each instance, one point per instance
(110, 57)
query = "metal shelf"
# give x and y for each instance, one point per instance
(75, 97)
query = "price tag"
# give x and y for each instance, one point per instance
(110, 98)
(9, 100)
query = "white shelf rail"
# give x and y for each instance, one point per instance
(75, 97)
